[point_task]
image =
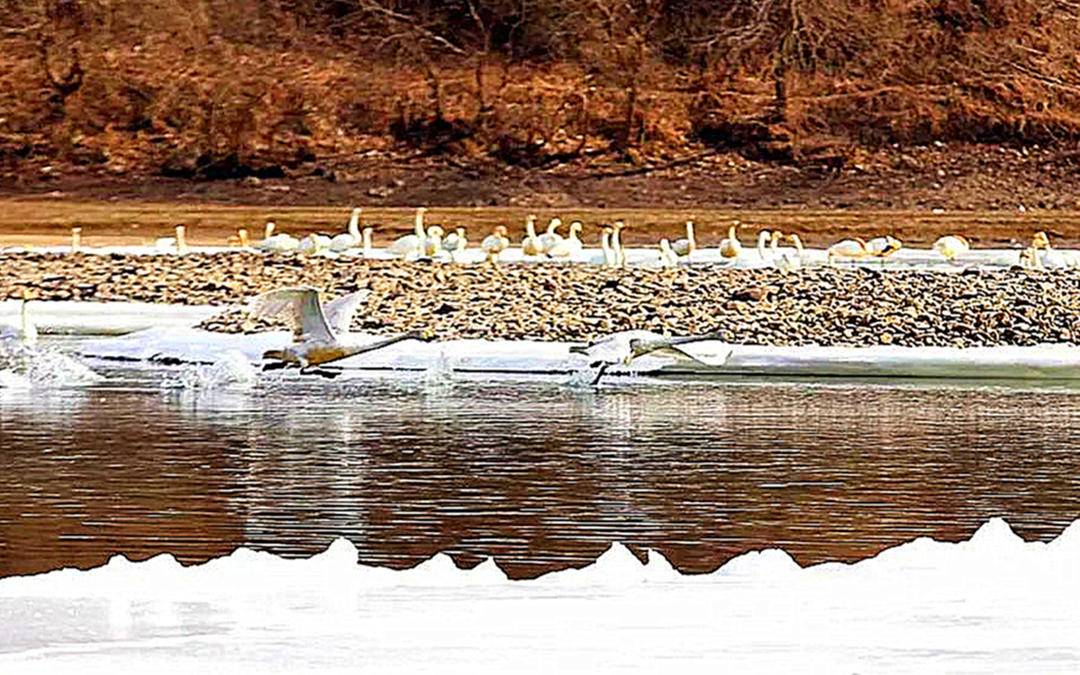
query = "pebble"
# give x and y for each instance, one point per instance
(825, 306)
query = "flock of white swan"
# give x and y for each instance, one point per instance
(563, 242)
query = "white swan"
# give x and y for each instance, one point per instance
(179, 242)
(76, 238)
(352, 237)
(668, 257)
(622, 348)
(455, 242)
(550, 239)
(365, 241)
(616, 243)
(1050, 257)
(687, 245)
(764, 239)
(951, 247)
(320, 332)
(731, 247)
(848, 248)
(411, 244)
(570, 246)
(530, 245)
(314, 243)
(495, 243)
(276, 243)
(26, 332)
(883, 247)
(787, 259)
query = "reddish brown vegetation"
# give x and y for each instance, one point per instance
(231, 88)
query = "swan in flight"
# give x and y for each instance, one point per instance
(951, 247)
(495, 243)
(687, 245)
(320, 332)
(622, 348)
(352, 237)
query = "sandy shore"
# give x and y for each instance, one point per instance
(552, 302)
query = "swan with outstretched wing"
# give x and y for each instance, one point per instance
(320, 332)
(623, 348)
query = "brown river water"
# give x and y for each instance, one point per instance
(542, 476)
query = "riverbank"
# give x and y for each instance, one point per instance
(830, 307)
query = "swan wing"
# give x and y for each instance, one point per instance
(340, 312)
(299, 306)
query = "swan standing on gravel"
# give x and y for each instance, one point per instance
(1051, 257)
(883, 247)
(179, 242)
(731, 247)
(849, 248)
(276, 243)
(550, 239)
(314, 243)
(455, 242)
(495, 243)
(687, 245)
(411, 244)
(569, 247)
(951, 247)
(530, 245)
(320, 332)
(787, 259)
(763, 240)
(607, 254)
(616, 243)
(668, 257)
(352, 237)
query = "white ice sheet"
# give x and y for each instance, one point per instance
(993, 604)
(543, 358)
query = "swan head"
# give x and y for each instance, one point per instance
(796, 241)
(268, 231)
(576, 227)
(435, 231)
(553, 225)
(1040, 240)
(501, 231)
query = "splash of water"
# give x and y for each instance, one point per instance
(232, 372)
(440, 373)
(23, 366)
